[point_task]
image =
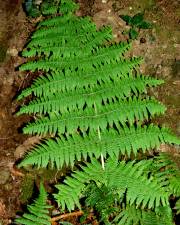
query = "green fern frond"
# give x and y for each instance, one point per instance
(174, 184)
(83, 24)
(68, 6)
(140, 190)
(61, 101)
(63, 6)
(131, 215)
(115, 113)
(48, 8)
(123, 177)
(95, 39)
(57, 82)
(67, 150)
(102, 200)
(94, 100)
(38, 211)
(56, 51)
(97, 58)
(83, 36)
(167, 171)
(63, 39)
(57, 20)
(70, 192)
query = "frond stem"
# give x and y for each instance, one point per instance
(99, 136)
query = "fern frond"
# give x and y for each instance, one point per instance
(115, 113)
(97, 58)
(56, 51)
(47, 8)
(174, 184)
(94, 101)
(122, 177)
(61, 101)
(167, 171)
(131, 215)
(82, 37)
(75, 49)
(67, 150)
(74, 185)
(57, 82)
(130, 176)
(68, 6)
(63, 39)
(73, 27)
(38, 211)
(57, 20)
(102, 199)
(63, 6)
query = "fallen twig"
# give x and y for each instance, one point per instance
(66, 215)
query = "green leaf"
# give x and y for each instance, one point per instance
(133, 34)
(144, 25)
(137, 19)
(127, 19)
(34, 12)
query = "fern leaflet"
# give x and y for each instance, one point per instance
(66, 150)
(38, 211)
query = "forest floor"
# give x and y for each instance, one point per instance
(160, 47)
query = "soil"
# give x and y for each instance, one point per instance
(159, 46)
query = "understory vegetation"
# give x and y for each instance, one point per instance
(91, 106)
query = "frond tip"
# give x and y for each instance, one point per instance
(38, 211)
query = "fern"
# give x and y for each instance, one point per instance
(131, 215)
(55, 50)
(94, 101)
(131, 109)
(167, 172)
(101, 199)
(38, 211)
(63, 100)
(124, 141)
(97, 58)
(133, 181)
(49, 7)
(123, 177)
(56, 82)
